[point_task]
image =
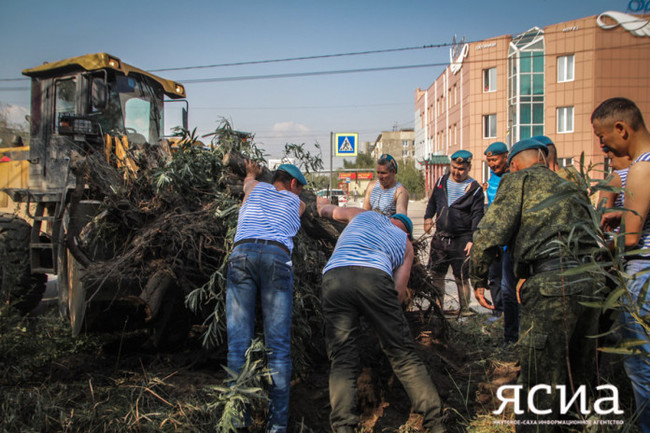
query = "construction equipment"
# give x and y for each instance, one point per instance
(85, 104)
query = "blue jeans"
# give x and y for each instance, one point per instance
(636, 366)
(266, 269)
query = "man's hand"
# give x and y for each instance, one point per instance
(405, 296)
(253, 168)
(468, 248)
(428, 223)
(611, 220)
(479, 294)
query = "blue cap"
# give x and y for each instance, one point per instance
(390, 159)
(462, 156)
(406, 221)
(496, 148)
(543, 139)
(526, 144)
(294, 172)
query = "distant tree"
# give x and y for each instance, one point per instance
(9, 132)
(412, 178)
(363, 160)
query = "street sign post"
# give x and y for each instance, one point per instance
(347, 144)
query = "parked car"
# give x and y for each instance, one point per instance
(340, 195)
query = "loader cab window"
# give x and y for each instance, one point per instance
(137, 120)
(64, 101)
(141, 106)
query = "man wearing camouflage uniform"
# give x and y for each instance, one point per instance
(553, 319)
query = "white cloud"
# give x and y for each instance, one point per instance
(283, 127)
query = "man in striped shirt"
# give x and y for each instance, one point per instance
(368, 275)
(261, 263)
(457, 203)
(619, 126)
(386, 195)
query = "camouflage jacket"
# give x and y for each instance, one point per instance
(532, 232)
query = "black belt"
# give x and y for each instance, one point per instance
(263, 242)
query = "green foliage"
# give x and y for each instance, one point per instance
(412, 179)
(608, 269)
(364, 160)
(242, 391)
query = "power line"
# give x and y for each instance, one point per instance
(304, 107)
(344, 71)
(308, 74)
(293, 59)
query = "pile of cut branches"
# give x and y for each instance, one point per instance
(168, 219)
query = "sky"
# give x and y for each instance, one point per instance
(302, 108)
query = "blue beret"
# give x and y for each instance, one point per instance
(391, 161)
(406, 221)
(294, 172)
(461, 156)
(497, 148)
(526, 144)
(543, 139)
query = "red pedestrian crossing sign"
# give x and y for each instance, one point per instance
(347, 143)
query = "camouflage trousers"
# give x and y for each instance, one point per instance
(555, 348)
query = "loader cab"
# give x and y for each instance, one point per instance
(84, 104)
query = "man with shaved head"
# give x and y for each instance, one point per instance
(545, 239)
(619, 126)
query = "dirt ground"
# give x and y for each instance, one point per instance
(50, 382)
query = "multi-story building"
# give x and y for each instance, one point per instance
(545, 81)
(399, 144)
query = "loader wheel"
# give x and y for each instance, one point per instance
(18, 286)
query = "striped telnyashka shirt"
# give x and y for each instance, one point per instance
(644, 242)
(371, 241)
(456, 190)
(269, 214)
(621, 197)
(383, 200)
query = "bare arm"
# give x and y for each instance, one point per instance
(253, 169)
(332, 211)
(402, 273)
(401, 200)
(366, 198)
(609, 197)
(303, 206)
(637, 199)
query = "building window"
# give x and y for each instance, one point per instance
(565, 68)
(525, 86)
(565, 162)
(405, 143)
(455, 95)
(564, 119)
(490, 80)
(489, 126)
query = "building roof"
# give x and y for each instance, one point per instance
(98, 61)
(437, 160)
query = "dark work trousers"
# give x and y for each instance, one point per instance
(509, 297)
(494, 283)
(348, 293)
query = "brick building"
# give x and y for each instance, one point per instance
(544, 81)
